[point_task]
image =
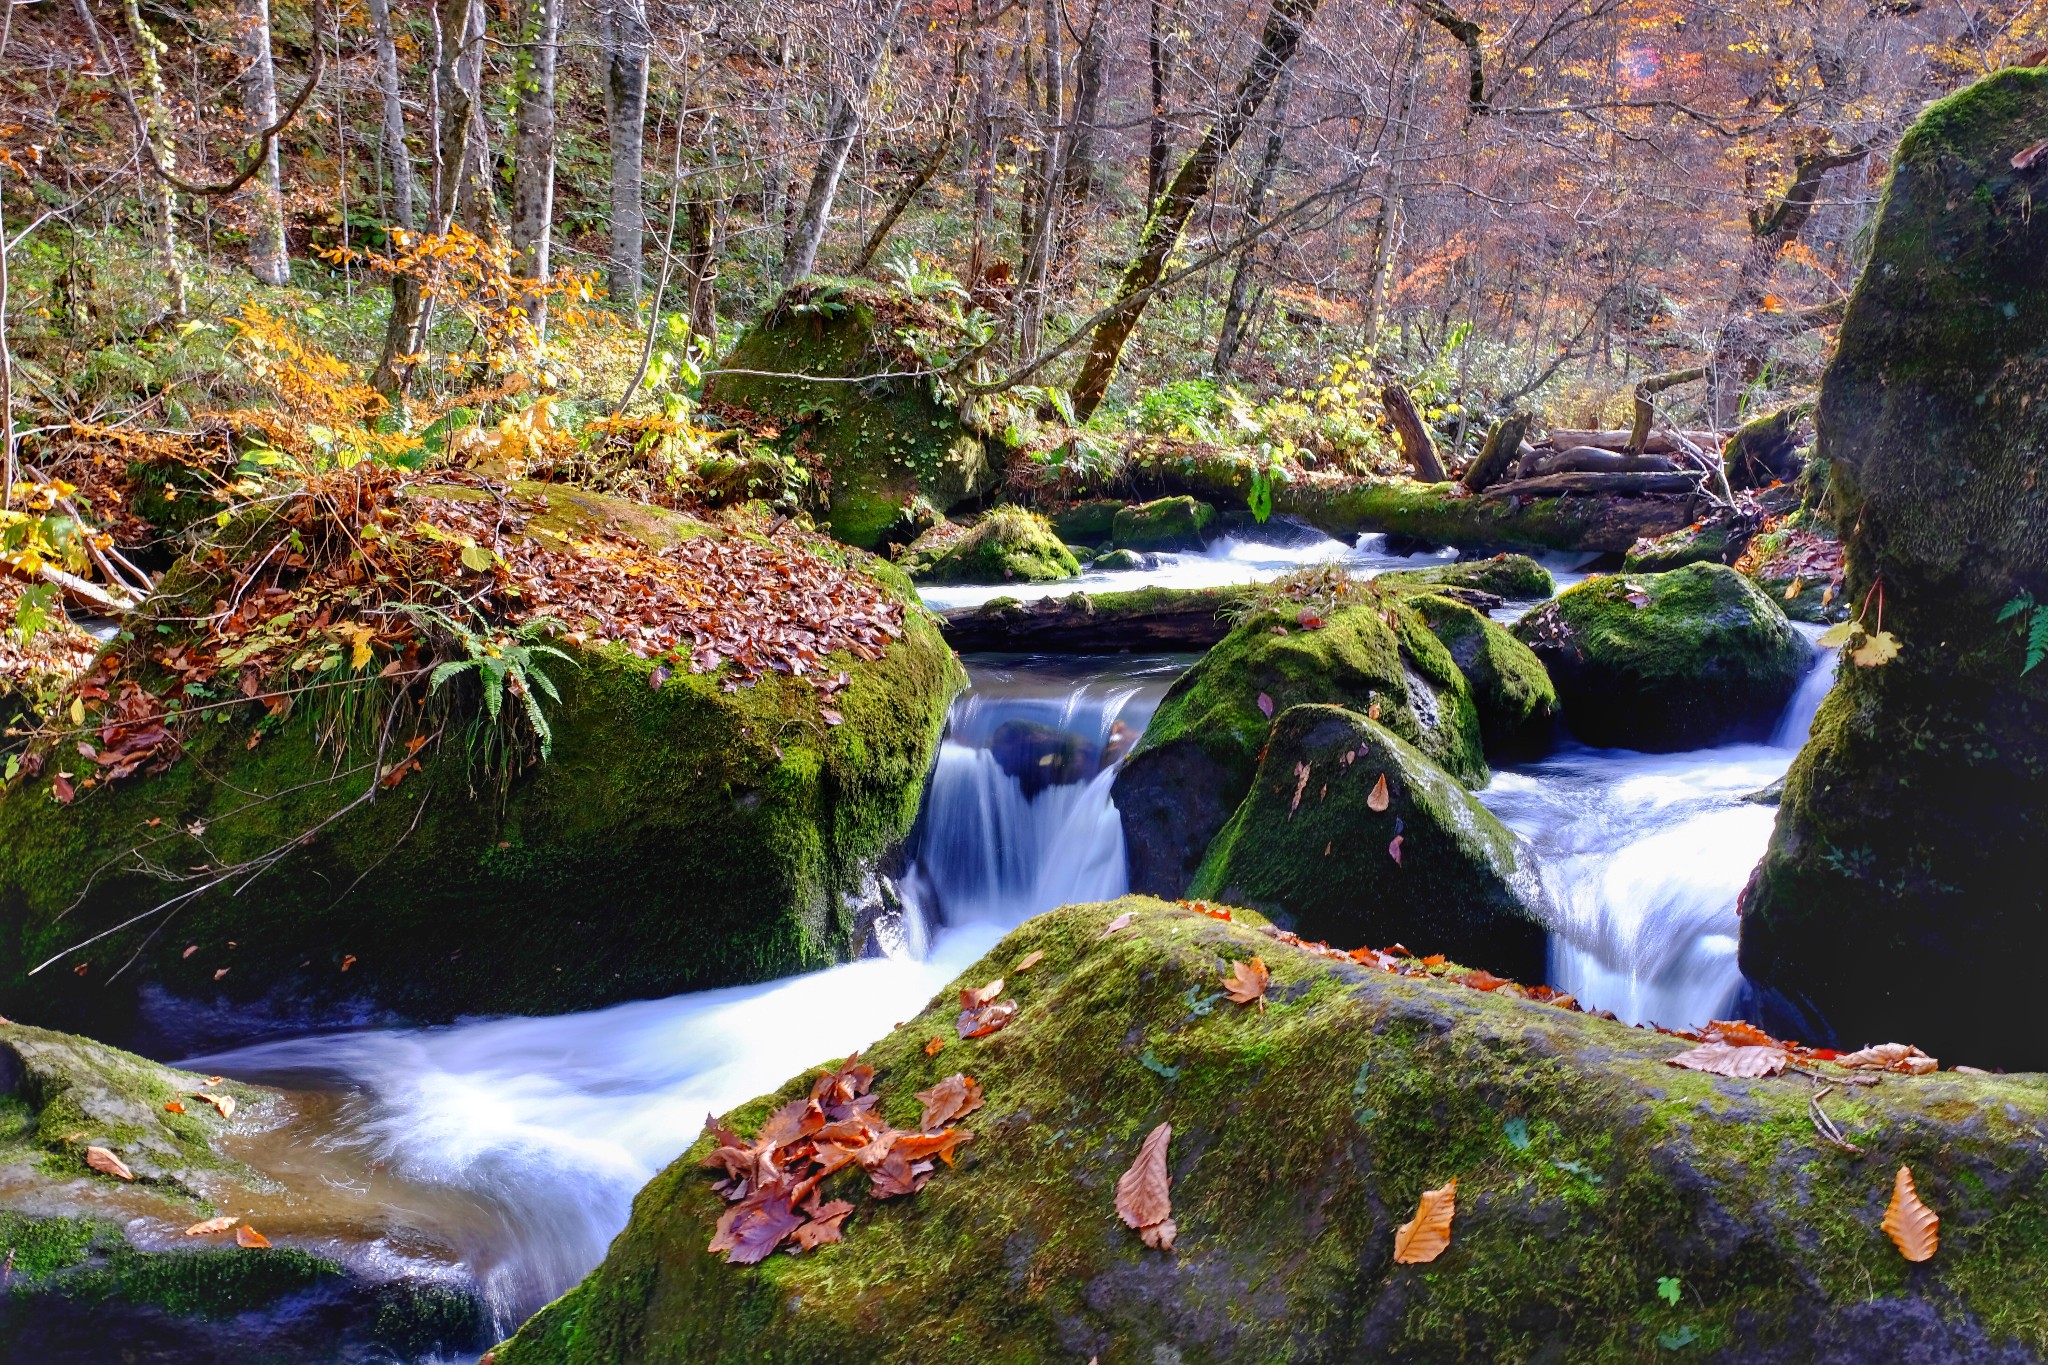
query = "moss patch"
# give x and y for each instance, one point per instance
(1512, 693)
(1502, 575)
(1587, 1171)
(1007, 545)
(1181, 523)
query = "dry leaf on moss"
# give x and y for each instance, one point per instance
(955, 1097)
(1725, 1059)
(1029, 960)
(106, 1163)
(1121, 922)
(224, 1103)
(1425, 1237)
(1245, 983)
(1900, 1057)
(1142, 1198)
(974, 999)
(1380, 799)
(1913, 1227)
(986, 1020)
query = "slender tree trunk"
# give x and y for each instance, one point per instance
(700, 267)
(1038, 254)
(1386, 225)
(404, 318)
(1237, 310)
(148, 48)
(267, 259)
(464, 192)
(1158, 146)
(1285, 23)
(1083, 153)
(985, 139)
(533, 166)
(842, 126)
(625, 38)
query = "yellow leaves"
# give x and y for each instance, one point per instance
(1245, 983)
(1143, 1199)
(106, 1163)
(1879, 649)
(1427, 1235)
(357, 637)
(224, 1103)
(248, 1238)
(1913, 1227)
(1771, 303)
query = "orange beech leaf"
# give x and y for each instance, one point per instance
(248, 1237)
(1725, 1059)
(1028, 961)
(1121, 922)
(1913, 1227)
(211, 1226)
(953, 1098)
(1435, 960)
(1737, 1032)
(986, 1020)
(1142, 1197)
(1245, 983)
(935, 1046)
(1479, 979)
(174, 1108)
(106, 1163)
(1900, 1057)
(1426, 1236)
(1380, 799)
(973, 999)
(224, 1103)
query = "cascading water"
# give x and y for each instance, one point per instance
(515, 1146)
(1643, 856)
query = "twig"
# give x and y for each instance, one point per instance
(1825, 1126)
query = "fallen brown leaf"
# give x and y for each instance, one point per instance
(1116, 925)
(2024, 159)
(973, 998)
(211, 1226)
(1424, 1237)
(1913, 1227)
(1245, 983)
(823, 1229)
(1900, 1057)
(1379, 800)
(106, 1163)
(953, 1098)
(1143, 1200)
(986, 1020)
(1726, 1059)
(1394, 849)
(246, 1236)
(224, 1103)
(1028, 961)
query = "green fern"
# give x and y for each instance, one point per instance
(2032, 618)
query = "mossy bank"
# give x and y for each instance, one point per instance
(1589, 1174)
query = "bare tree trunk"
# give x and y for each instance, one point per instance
(1416, 443)
(1158, 146)
(1277, 43)
(1236, 310)
(1082, 153)
(985, 139)
(533, 166)
(465, 193)
(1386, 226)
(625, 38)
(842, 126)
(700, 267)
(148, 47)
(404, 318)
(267, 259)
(774, 163)
(1038, 254)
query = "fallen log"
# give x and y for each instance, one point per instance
(1594, 460)
(1503, 447)
(1656, 443)
(1413, 434)
(1089, 623)
(1624, 485)
(1439, 514)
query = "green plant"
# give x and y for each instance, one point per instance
(502, 663)
(922, 281)
(2032, 619)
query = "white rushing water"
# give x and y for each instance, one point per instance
(518, 1144)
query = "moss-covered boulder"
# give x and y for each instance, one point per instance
(98, 1265)
(1677, 660)
(1512, 693)
(1609, 1208)
(1087, 523)
(1309, 848)
(1120, 561)
(1198, 754)
(1502, 575)
(687, 831)
(1912, 841)
(1181, 523)
(1707, 542)
(1007, 545)
(877, 445)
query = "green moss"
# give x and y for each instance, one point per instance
(1180, 523)
(1442, 515)
(882, 444)
(1302, 1136)
(680, 836)
(1502, 575)
(1675, 660)
(1009, 544)
(1087, 523)
(1517, 706)
(1307, 848)
(1706, 543)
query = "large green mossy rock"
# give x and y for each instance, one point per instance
(1009, 545)
(1502, 575)
(1912, 843)
(1307, 849)
(1589, 1174)
(1196, 759)
(1659, 662)
(681, 836)
(1512, 693)
(98, 1267)
(881, 445)
(1181, 523)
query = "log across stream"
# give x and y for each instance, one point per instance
(520, 1143)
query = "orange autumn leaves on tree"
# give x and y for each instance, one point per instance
(1143, 1199)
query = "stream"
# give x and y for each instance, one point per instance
(513, 1147)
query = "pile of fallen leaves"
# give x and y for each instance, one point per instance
(772, 1179)
(40, 648)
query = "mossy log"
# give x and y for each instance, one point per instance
(1095, 622)
(1439, 514)
(1589, 1175)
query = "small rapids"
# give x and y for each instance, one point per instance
(515, 1146)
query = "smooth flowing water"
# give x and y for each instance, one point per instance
(513, 1147)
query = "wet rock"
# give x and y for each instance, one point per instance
(1117, 561)
(1308, 849)
(1909, 845)
(1181, 523)
(1087, 522)
(1511, 691)
(1660, 662)
(1041, 756)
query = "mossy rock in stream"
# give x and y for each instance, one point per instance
(881, 444)
(99, 1267)
(1087, 523)
(1181, 523)
(1588, 1172)
(1307, 848)
(1911, 849)
(682, 835)
(1512, 693)
(1709, 542)
(1660, 662)
(1502, 575)
(1196, 759)
(1008, 545)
